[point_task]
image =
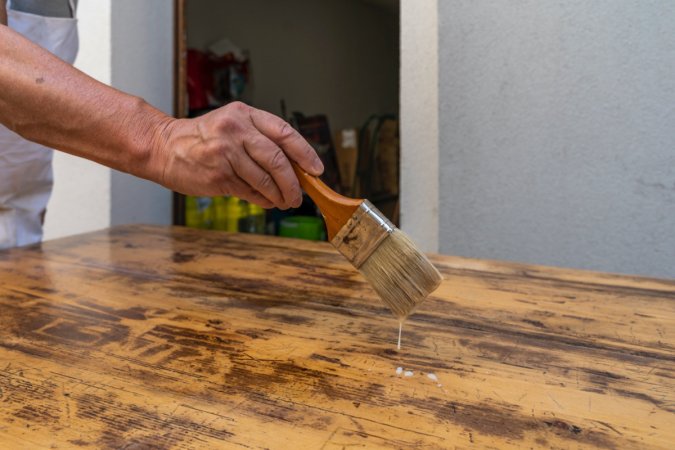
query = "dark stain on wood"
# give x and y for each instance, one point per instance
(506, 421)
(33, 414)
(133, 313)
(284, 318)
(337, 361)
(118, 419)
(182, 257)
(543, 340)
(152, 351)
(582, 319)
(69, 331)
(535, 323)
(666, 406)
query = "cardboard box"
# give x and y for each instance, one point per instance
(346, 149)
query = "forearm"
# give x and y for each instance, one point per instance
(234, 150)
(48, 101)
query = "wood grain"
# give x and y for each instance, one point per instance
(151, 337)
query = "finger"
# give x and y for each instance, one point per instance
(272, 159)
(239, 188)
(290, 141)
(257, 178)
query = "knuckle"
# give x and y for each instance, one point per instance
(239, 108)
(228, 123)
(234, 116)
(286, 131)
(255, 142)
(277, 161)
(265, 181)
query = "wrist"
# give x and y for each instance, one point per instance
(149, 141)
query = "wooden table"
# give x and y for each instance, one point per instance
(150, 337)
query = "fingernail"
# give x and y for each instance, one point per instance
(318, 166)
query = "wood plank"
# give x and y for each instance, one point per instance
(179, 338)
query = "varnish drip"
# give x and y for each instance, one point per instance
(400, 327)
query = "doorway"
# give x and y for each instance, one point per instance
(331, 68)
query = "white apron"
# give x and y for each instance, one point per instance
(25, 167)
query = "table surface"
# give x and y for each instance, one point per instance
(154, 337)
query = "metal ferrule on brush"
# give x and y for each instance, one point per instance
(362, 234)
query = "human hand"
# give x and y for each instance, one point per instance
(235, 150)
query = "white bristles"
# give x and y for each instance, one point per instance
(400, 274)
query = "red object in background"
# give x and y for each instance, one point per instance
(199, 79)
(210, 79)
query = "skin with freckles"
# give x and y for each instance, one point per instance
(235, 150)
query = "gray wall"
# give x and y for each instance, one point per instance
(142, 45)
(557, 132)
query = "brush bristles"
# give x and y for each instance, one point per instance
(401, 275)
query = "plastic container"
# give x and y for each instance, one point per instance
(303, 227)
(219, 213)
(254, 222)
(199, 212)
(224, 213)
(235, 210)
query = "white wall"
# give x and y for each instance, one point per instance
(329, 56)
(557, 133)
(80, 201)
(419, 122)
(129, 45)
(142, 65)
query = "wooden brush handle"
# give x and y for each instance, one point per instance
(335, 208)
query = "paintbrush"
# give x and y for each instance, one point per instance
(401, 274)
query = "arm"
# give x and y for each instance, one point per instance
(236, 149)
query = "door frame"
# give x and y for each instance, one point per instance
(418, 99)
(419, 122)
